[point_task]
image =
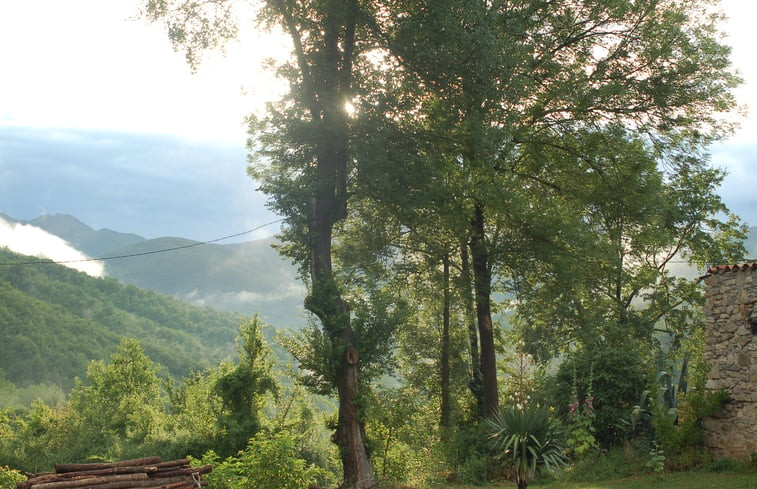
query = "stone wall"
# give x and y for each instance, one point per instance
(731, 314)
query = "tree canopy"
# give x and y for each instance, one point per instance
(551, 150)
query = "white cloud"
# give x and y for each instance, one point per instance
(33, 241)
(90, 64)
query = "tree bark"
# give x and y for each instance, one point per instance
(86, 481)
(446, 417)
(482, 287)
(326, 78)
(474, 384)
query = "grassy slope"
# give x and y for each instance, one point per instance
(680, 480)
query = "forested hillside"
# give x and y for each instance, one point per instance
(247, 278)
(54, 320)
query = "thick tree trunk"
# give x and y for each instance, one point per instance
(326, 302)
(329, 207)
(446, 417)
(326, 85)
(474, 384)
(482, 287)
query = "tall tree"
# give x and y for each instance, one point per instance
(503, 76)
(305, 141)
(308, 143)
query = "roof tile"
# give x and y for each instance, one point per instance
(731, 268)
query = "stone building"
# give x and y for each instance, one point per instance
(731, 339)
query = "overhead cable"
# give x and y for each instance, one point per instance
(142, 253)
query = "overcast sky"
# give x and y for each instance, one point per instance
(99, 118)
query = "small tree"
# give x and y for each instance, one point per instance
(242, 387)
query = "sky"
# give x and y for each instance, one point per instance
(101, 119)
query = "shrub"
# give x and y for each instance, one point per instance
(618, 375)
(270, 461)
(469, 456)
(613, 464)
(9, 477)
(681, 436)
(525, 439)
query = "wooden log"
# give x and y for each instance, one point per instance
(141, 483)
(52, 477)
(88, 481)
(59, 468)
(172, 463)
(179, 485)
(146, 469)
(57, 478)
(181, 471)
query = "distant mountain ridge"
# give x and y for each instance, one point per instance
(94, 243)
(245, 278)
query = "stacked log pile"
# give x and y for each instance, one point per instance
(143, 473)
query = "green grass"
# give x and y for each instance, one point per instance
(679, 480)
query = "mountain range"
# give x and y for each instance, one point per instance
(245, 278)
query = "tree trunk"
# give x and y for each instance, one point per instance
(474, 384)
(482, 287)
(326, 79)
(446, 417)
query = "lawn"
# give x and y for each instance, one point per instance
(679, 480)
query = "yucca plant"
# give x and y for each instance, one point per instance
(526, 439)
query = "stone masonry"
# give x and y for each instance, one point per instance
(731, 350)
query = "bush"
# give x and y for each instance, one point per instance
(616, 463)
(9, 477)
(270, 461)
(469, 456)
(727, 464)
(682, 436)
(618, 381)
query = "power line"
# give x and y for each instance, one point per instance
(143, 253)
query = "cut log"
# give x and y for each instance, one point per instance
(60, 468)
(144, 483)
(86, 481)
(181, 471)
(172, 463)
(49, 477)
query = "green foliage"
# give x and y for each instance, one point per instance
(618, 373)
(39, 299)
(596, 466)
(728, 464)
(469, 456)
(404, 435)
(656, 461)
(580, 438)
(242, 389)
(9, 477)
(270, 461)
(526, 439)
(682, 436)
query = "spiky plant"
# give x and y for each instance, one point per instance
(527, 440)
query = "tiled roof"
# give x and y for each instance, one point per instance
(731, 268)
